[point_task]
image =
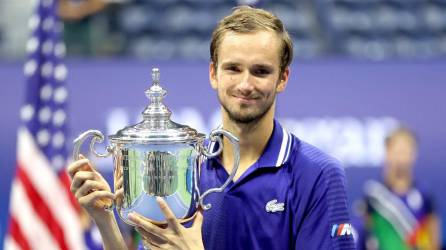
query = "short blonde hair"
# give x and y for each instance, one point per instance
(404, 132)
(246, 19)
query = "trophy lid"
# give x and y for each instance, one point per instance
(156, 126)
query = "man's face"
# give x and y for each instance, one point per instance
(248, 76)
(401, 154)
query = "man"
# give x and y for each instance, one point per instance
(286, 193)
(399, 215)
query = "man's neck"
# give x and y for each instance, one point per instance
(253, 138)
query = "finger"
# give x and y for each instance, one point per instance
(89, 166)
(198, 221)
(119, 183)
(98, 199)
(142, 222)
(77, 165)
(118, 173)
(79, 178)
(119, 192)
(150, 237)
(89, 186)
(169, 215)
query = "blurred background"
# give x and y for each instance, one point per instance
(361, 68)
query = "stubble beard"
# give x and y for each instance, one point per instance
(246, 117)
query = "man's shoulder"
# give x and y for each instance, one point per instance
(307, 158)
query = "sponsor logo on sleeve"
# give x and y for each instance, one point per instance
(344, 229)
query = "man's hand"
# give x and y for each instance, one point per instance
(94, 195)
(90, 188)
(175, 236)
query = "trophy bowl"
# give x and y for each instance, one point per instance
(158, 158)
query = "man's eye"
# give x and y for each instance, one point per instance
(233, 69)
(261, 72)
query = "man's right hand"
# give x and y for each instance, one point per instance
(90, 188)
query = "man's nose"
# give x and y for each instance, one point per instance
(246, 85)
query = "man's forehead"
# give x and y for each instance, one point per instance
(261, 47)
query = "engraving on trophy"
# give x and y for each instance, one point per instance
(160, 173)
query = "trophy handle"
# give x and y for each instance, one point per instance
(215, 137)
(97, 136)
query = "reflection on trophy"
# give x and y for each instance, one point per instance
(160, 174)
(159, 158)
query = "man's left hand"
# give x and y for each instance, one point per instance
(174, 236)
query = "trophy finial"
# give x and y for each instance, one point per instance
(156, 111)
(156, 76)
(155, 92)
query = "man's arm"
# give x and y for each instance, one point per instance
(326, 222)
(110, 233)
(94, 195)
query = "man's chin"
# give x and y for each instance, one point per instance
(244, 118)
(244, 121)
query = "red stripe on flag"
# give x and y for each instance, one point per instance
(17, 234)
(66, 182)
(41, 208)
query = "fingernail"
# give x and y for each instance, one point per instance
(132, 216)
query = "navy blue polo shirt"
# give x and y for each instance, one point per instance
(293, 197)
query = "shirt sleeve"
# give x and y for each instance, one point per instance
(325, 223)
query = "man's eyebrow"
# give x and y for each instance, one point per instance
(263, 65)
(257, 65)
(225, 64)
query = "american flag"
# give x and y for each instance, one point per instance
(43, 213)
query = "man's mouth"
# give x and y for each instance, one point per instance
(246, 99)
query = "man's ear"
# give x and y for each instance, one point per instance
(283, 80)
(213, 75)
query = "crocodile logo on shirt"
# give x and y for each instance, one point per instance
(272, 206)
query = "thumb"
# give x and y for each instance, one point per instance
(198, 221)
(88, 166)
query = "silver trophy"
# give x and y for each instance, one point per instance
(159, 158)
